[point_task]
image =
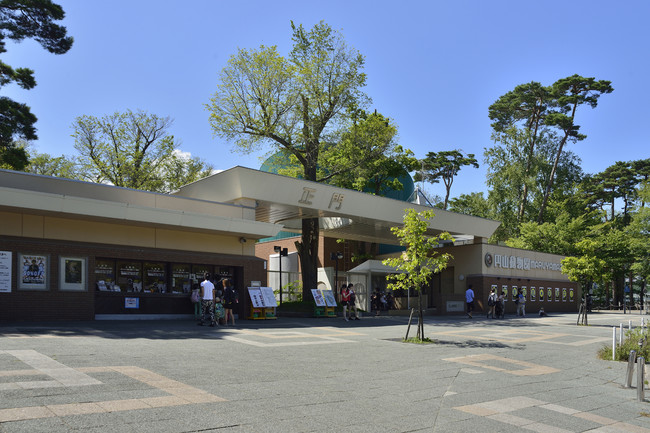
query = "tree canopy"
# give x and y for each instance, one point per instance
(19, 20)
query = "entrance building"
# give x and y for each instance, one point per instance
(80, 251)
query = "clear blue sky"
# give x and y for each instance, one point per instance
(434, 67)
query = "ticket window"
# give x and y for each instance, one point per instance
(181, 280)
(129, 276)
(199, 271)
(155, 277)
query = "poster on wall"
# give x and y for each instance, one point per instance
(557, 294)
(563, 294)
(72, 274)
(504, 290)
(5, 271)
(514, 292)
(571, 295)
(33, 271)
(549, 294)
(524, 291)
(541, 294)
(533, 293)
(495, 288)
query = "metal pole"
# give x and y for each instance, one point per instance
(630, 369)
(280, 258)
(613, 343)
(640, 367)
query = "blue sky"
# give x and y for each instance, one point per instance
(434, 67)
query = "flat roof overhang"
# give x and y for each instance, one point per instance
(49, 196)
(343, 213)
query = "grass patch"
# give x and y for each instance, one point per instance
(415, 340)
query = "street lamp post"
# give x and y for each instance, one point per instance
(336, 257)
(281, 252)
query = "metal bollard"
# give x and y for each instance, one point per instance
(630, 369)
(620, 336)
(639, 379)
(613, 343)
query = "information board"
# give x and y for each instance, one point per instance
(5, 271)
(268, 297)
(330, 300)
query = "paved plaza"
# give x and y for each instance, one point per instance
(317, 375)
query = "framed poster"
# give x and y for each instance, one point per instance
(32, 271)
(133, 303)
(504, 290)
(564, 294)
(571, 293)
(514, 292)
(330, 300)
(557, 294)
(5, 271)
(549, 294)
(318, 298)
(533, 293)
(524, 291)
(72, 274)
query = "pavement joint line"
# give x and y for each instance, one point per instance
(179, 393)
(499, 410)
(529, 369)
(322, 340)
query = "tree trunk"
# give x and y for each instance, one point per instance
(308, 252)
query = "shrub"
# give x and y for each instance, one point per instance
(630, 342)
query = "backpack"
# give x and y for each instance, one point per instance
(195, 296)
(492, 300)
(353, 297)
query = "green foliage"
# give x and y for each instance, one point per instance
(630, 342)
(470, 204)
(19, 20)
(292, 104)
(444, 165)
(292, 291)
(133, 150)
(417, 264)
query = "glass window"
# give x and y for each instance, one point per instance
(181, 281)
(198, 271)
(155, 277)
(105, 275)
(129, 276)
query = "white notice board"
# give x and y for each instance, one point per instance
(256, 297)
(268, 297)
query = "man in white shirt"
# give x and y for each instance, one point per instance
(207, 300)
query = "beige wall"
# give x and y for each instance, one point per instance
(46, 227)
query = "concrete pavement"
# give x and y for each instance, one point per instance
(317, 375)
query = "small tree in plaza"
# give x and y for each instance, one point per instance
(419, 261)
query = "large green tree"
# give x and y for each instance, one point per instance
(568, 94)
(19, 20)
(292, 103)
(133, 150)
(444, 165)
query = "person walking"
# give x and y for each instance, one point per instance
(521, 304)
(229, 300)
(469, 300)
(353, 302)
(345, 300)
(492, 303)
(207, 300)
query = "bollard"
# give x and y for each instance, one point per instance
(639, 379)
(620, 336)
(613, 343)
(630, 369)
(629, 325)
